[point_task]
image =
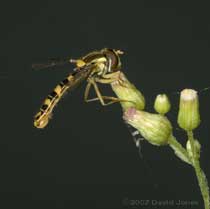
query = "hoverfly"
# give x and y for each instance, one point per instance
(96, 67)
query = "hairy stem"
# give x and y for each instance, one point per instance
(179, 150)
(202, 181)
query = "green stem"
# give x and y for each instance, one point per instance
(202, 181)
(179, 150)
(191, 140)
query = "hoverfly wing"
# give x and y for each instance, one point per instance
(53, 62)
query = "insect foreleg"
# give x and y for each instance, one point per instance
(112, 76)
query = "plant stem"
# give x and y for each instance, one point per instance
(179, 150)
(202, 181)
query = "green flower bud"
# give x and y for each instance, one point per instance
(162, 104)
(128, 92)
(155, 128)
(188, 116)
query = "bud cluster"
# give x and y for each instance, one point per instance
(155, 128)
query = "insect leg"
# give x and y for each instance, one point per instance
(108, 78)
(87, 91)
(111, 78)
(99, 96)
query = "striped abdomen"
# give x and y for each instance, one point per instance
(41, 119)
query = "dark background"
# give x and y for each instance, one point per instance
(86, 158)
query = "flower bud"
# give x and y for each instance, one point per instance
(162, 104)
(155, 128)
(128, 92)
(188, 116)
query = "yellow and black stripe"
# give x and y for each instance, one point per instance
(41, 119)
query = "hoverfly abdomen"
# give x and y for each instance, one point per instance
(41, 119)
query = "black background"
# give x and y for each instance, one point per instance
(86, 158)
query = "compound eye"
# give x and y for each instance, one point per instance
(112, 56)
